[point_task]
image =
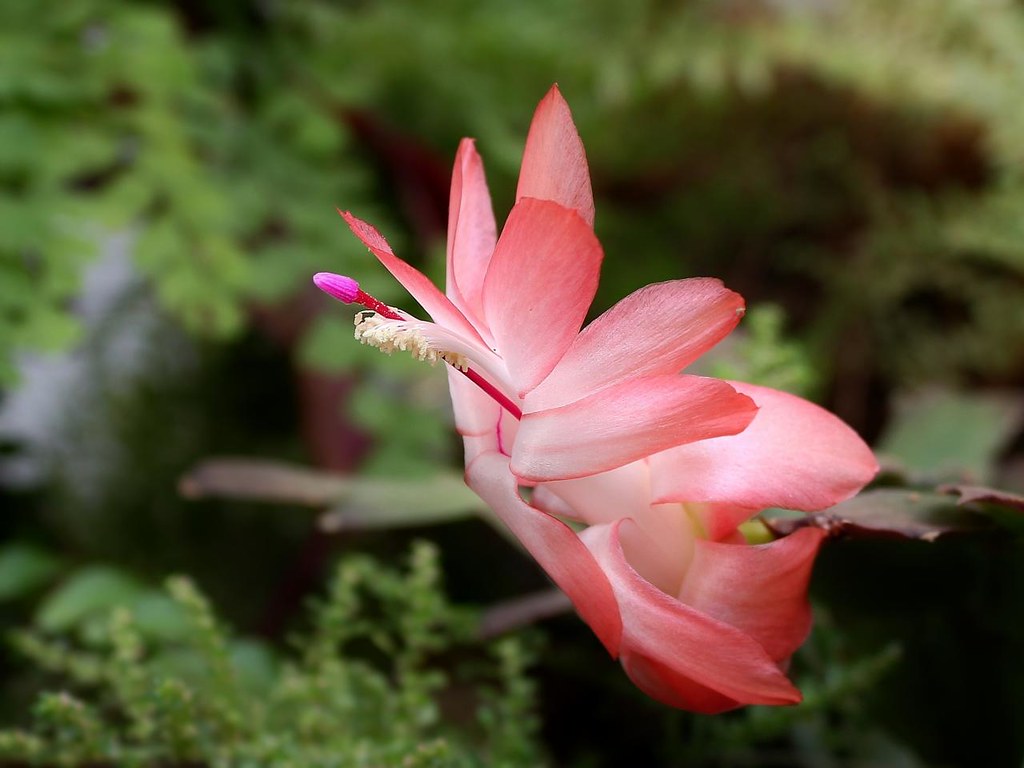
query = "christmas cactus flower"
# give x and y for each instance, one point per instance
(601, 426)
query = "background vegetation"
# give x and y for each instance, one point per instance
(168, 173)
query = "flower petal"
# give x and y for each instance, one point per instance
(664, 683)
(539, 286)
(553, 544)
(604, 498)
(794, 455)
(472, 232)
(761, 590)
(626, 422)
(554, 161)
(718, 522)
(661, 328)
(476, 413)
(660, 543)
(546, 500)
(680, 655)
(415, 282)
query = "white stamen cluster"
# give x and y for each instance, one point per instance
(388, 335)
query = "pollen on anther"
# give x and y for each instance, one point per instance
(388, 335)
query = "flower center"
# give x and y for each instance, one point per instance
(373, 328)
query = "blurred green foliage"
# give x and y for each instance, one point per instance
(939, 435)
(222, 136)
(761, 353)
(853, 168)
(363, 688)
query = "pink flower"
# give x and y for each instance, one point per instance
(602, 426)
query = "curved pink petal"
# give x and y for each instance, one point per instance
(661, 328)
(626, 422)
(761, 590)
(554, 161)
(539, 286)
(472, 232)
(664, 683)
(794, 454)
(660, 545)
(415, 282)
(680, 655)
(553, 544)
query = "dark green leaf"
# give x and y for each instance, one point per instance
(88, 592)
(887, 513)
(254, 663)
(1002, 507)
(24, 568)
(159, 617)
(979, 494)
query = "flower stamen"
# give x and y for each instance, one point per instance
(389, 337)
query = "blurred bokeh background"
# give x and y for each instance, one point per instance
(169, 172)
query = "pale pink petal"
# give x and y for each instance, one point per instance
(496, 438)
(678, 654)
(416, 283)
(661, 328)
(624, 423)
(608, 496)
(475, 445)
(659, 545)
(472, 232)
(553, 544)
(506, 431)
(542, 278)
(793, 455)
(546, 500)
(554, 162)
(476, 413)
(761, 590)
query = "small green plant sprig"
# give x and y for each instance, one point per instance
(362, 688)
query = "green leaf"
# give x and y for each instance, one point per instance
(19, 144)
(158, 617)
(23, 569)
(939, 435)
(89, 592)
(254, 664)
